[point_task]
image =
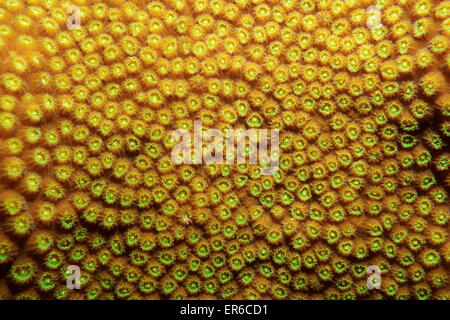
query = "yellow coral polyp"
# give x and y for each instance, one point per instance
(86, 174)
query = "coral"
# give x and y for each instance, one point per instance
(87, 178)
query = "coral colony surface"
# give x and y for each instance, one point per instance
(359, 91)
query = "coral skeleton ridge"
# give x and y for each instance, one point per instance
(90, 92)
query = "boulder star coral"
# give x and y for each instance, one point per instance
(86, 114)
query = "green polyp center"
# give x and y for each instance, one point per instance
(23, 273)
(22, 225)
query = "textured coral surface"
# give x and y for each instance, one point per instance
(86, 176)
